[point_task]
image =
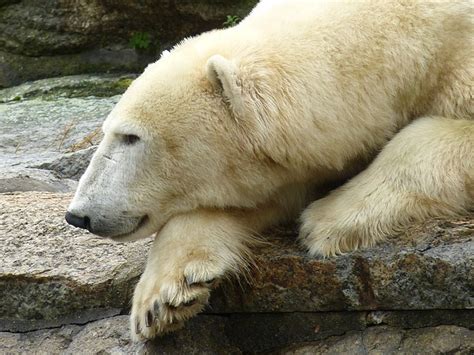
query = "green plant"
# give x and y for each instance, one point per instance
(140, 40)
(231, 21)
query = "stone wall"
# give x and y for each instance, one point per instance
(48, 38)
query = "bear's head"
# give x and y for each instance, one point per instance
(181, 138)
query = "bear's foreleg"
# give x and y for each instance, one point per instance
(188, 258)
(426, 170)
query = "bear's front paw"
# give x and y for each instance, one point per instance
(161, 304)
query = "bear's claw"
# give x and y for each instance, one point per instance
(149, 319)
(162, 304)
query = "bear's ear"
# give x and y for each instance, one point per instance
(224, 74)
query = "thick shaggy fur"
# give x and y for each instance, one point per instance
(239, 127)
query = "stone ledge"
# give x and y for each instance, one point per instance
(427, 267)
(51, 271)
(290, 333)
(65, 291)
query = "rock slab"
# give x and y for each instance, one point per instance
(428, 266)
(51, 270)
(212, 334)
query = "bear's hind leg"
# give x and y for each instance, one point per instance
(426, 170)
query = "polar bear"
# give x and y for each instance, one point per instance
(238, 129)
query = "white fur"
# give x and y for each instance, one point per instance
(240, 126)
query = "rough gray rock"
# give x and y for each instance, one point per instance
(37, 130)
(70, 165)
(386, 340)
(17, 68)
(51, 270)
(110, 335)
(213, 334)
(54, 37)
(52, 341)
(426, 267)
(22, 179)
(51, 127)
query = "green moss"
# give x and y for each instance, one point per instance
(144, 42)
(140, 40)
(104, 88)
(122, 84)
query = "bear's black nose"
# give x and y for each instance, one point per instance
(76, 221)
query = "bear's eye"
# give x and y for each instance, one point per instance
(130, 139)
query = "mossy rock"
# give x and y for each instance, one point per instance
(104, 85)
